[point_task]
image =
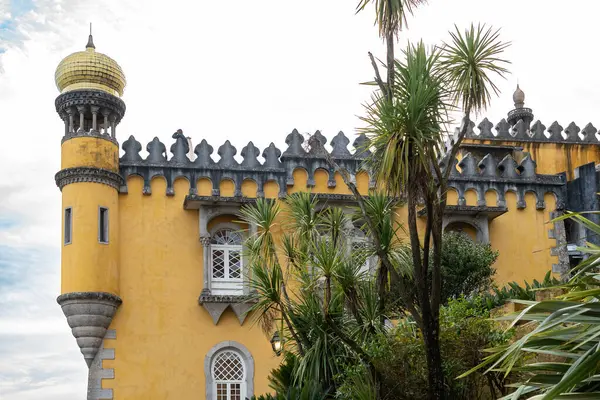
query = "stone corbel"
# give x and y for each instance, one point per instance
(89, 315)
(217, 304)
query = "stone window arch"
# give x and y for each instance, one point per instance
(226, 261)
(229, 372)
(359, 243)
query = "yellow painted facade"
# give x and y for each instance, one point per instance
(154, 260)
(90, 152)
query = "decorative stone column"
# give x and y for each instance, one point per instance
(95, 110)
(71, 113)
(81, 110)
(205, 240)
(105, 114)
(113, 125)
(65, 118)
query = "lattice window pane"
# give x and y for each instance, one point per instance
(235, 263)
(228, 366)
(359, 251)
(226, 237)
(218, 263)
(235, 391)
(222, 391)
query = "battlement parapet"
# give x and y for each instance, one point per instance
(277, 166)
(505, 176)
(480, 175)
(522, 132)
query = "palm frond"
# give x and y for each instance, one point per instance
(390, 15)
(406, 130)
(470, 61)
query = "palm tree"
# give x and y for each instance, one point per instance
(566, 328)
(406, 132)
(390, 18)
(306, 277)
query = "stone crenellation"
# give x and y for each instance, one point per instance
(483, 175)
(277, 166)
(504, 176)
(522, 132)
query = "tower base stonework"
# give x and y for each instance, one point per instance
(89, 315)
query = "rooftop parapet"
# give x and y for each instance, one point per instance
(505, 176)
(277, 166)
(480, 175)
(538, 132)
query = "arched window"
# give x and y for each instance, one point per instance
(229, 376)
(226, 262)
(229, 372)
(359, 245)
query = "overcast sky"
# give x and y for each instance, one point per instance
(237, 70)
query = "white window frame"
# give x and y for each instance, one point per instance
(226, 285)
(229, 383)
(357, 237)
(248, 363)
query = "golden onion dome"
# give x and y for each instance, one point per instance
(90, 70)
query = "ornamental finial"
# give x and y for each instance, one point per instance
(90, 43)
(519, 97)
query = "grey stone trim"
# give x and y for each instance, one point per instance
(248, 364)
(560, 249)
(533, 134)
(90, 133)
(90, 97)
(217, 304)
(277, 167)
(215, 310)
(479, 222)
(480, 175)
(89, 315)
(505, 176)
(87, 174)
(194, 202)
(97, 372)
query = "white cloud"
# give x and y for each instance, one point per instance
(226, 70)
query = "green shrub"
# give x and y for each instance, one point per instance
(399, 355)
(467, 266)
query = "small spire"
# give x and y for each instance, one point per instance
(90, 43)
(519, 97)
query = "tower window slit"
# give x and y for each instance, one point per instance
(68, 225)
(103, 225)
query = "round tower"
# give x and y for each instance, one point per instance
(89, 103)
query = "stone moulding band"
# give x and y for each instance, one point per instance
(88, 174)
(90, 97)
(92, 134)
(101, 296)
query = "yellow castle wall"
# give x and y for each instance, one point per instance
(90, 152)
(163, 334)
(521, 238)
